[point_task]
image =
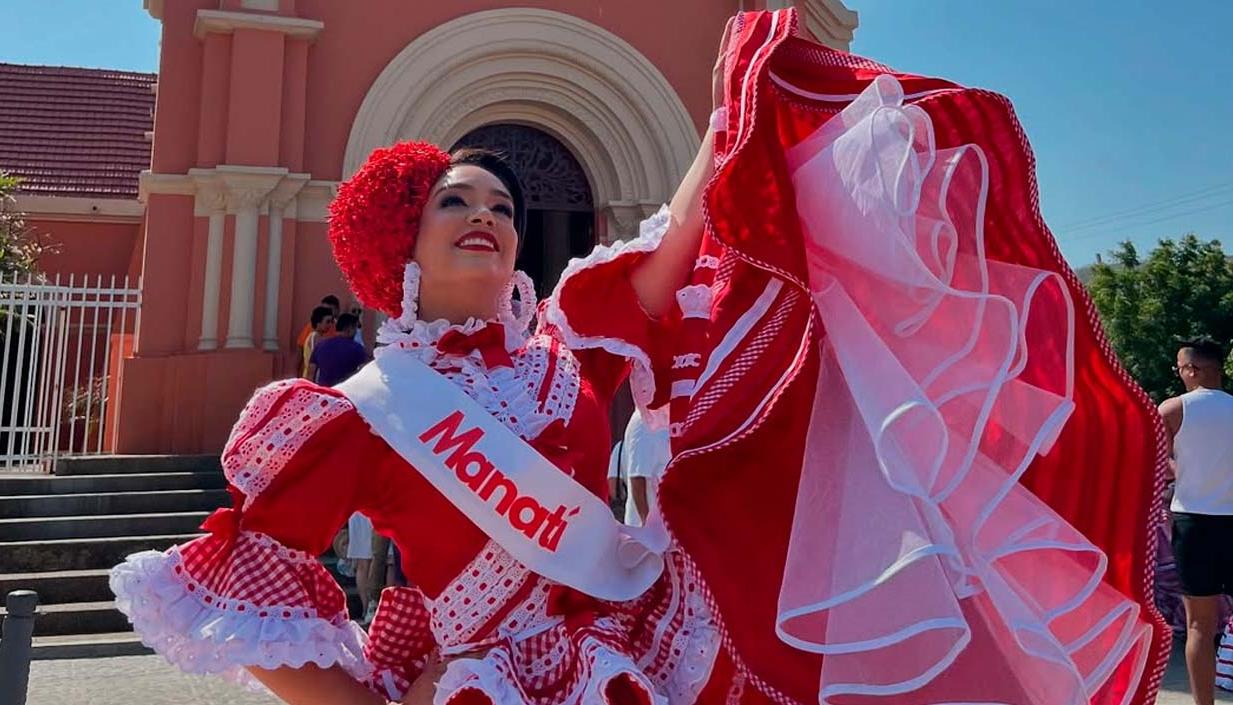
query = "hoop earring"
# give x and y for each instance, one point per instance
(410, 295)
(520, 282)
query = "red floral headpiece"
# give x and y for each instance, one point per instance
(375, 218)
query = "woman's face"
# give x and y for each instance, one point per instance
(466, 235)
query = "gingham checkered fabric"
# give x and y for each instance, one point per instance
(254, 572)
(399, 641)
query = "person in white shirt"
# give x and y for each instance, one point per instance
(1199, 426)
(639, 460)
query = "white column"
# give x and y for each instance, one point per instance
(213, 200)
(243, 269)
(272, 271)
(247, 188)
(279, 199)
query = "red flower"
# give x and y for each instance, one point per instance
(375, 218)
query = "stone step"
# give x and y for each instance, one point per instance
(78, 618)
(60, 586)
(79, 554)
(113, 525)
(46, 648)
(62, 505)
(114, 464)
(31, 484)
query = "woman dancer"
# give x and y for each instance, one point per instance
(856, 378)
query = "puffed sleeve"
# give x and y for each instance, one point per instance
(596, 313)
(251, 592)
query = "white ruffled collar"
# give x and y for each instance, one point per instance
(510, 394)
(409, 333)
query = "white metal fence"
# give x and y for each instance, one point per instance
(59, 388)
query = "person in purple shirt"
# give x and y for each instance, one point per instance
(338, 357)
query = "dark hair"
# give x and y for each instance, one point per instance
(331, 300)
(346, 321)
(496, 164)
(1205, 349)
(320, 313)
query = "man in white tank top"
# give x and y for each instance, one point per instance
(1200, 427)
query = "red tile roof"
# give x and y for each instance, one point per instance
(75, 132)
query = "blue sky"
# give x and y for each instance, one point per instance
(1127, 102)
(115, 34)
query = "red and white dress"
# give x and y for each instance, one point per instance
(301, 460)
(907, 468)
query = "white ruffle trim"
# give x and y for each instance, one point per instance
(409, 332)
(642, 381)
(480, 674)
(200, 639)
(422, 337)
(508, 394)
(698, 644)
(485, 676)
(606, 665)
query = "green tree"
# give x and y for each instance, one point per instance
(20, 246)
(1184, 289)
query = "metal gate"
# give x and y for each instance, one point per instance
(59, 387)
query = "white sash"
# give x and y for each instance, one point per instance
(545, 519)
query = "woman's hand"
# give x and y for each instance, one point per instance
(657, 278)
(425, 686)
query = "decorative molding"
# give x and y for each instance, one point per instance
(829, 22)
(650, 208)
(167, 184)
(287, 188)
(248, 186)
(623, 220)
(154, 7)
(313, 202)
(77, 209)
(208, 184)
(580, 83)
(549, 173)
(223, 22)
(210, 195)
(260, 5)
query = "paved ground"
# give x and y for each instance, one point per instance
(148, 680)
(1176, 688)
(129, 680)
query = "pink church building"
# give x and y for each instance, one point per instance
(210, 180)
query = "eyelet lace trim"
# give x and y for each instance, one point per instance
(650, 233)
(511, 395)
(481, 590)
(260, 447)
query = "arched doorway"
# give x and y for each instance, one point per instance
(560, 205)
(618, 114)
